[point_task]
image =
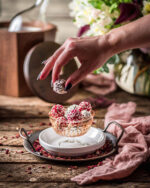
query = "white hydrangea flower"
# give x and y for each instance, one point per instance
(146, 7)
(84, 13)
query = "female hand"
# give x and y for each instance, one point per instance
(92, 53)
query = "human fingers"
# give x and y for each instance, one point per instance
(76, 77)
(68, 53)
(63, 59)
(50, 63)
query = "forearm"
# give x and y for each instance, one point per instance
(133, 35)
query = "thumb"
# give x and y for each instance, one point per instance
(76, 77)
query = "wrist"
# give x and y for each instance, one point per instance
(104, 45)
(116, 39)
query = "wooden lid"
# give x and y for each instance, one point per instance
(33, 66)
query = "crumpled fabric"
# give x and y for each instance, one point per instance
(134, 147)
(101, 84)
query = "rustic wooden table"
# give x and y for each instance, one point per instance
(30, 113)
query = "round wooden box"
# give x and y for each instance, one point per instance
(33, 66)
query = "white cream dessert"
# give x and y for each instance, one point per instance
(59, 86)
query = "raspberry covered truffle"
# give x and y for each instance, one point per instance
(57, 111)
(86, 114)
(72, 107)
(74, 115)
(85, 106)
(72, 121)
(59, 86)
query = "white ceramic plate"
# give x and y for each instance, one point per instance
(75, 146)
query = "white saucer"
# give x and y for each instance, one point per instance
(75, 146)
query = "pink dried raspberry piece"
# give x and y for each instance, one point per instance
(74, 115)
(85, 106)
(57, 111)
(61, 122)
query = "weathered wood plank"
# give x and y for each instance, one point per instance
(27, 107)
(17, 155)
(34, 112)
(73, 185)
(42, 173)
(32, 124)
(42, 112)
(118, 96)
(34, 101)
(33, 107)
(14, 124)
(10, 138)
(122, 96)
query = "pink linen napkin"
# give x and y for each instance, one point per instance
(101, 84)
(134, 147)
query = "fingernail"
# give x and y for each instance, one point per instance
(51, 83)
(44, 62)
(69, 86)
(38, 78)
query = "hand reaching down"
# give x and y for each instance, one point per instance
(92, 53)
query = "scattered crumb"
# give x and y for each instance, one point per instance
(32, 179)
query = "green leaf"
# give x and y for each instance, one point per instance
(98, 71)
(113, 7)
(105, 67)
(109, 26)
(113, 60)
(96, 3)
(113, 4)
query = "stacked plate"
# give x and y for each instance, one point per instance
(72, 146)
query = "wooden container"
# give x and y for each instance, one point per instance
(13, 48)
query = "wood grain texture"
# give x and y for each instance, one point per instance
(12, 124)
(40, 171)
(14, 47)
(35, 108)
(73, 185)
(59, 173)
(17, 155)
(8, 65)
(31, 113)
